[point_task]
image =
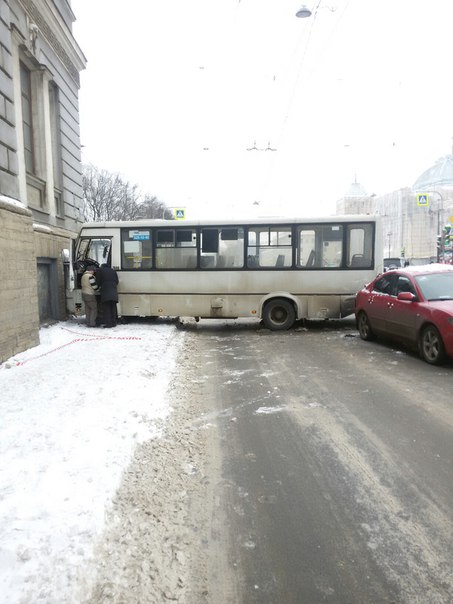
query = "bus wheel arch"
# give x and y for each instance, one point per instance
(279, 313)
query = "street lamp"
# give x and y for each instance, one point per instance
(303, 12)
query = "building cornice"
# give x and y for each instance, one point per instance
(58, 36)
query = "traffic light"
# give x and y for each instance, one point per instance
(439, 246)
(448, 235)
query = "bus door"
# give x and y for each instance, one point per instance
(91, 251)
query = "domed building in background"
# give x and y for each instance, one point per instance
(439, 175)
(413, 217)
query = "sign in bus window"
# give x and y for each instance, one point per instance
(136, 252)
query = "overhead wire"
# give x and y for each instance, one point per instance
(307, 37)
(304, 55)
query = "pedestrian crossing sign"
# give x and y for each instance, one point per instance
(423, 200)
(180, 214)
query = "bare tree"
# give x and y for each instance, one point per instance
(107, 196)
(151, 207)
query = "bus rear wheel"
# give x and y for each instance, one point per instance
(279, 314)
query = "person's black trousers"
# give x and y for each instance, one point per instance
(109, 313)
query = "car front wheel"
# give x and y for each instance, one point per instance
(431, 345)
(364, 327)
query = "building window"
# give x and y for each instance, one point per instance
(27, 118)
(55, 133)
(34, 135)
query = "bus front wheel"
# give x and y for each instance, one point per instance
(279, 314)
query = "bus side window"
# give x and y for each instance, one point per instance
(269, 247)
(136, 252)
(176, 248)
(359, 246)
(252, 261)
(231, 246)
(209, 248)
(222, 247)
(306, 247)
(320, 246)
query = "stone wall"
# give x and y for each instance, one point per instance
(9, 184)
(19, 317)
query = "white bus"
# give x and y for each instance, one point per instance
(279, 270)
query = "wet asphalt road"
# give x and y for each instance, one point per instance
(336, 454)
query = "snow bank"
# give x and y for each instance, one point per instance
(73, 410)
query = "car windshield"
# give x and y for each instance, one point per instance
(436, 286)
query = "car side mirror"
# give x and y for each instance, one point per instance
(407, 297)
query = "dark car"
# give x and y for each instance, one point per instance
(413, 305)
(391, 263)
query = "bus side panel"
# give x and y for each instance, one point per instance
(231, 305)
(323, 307)
(137, 305)
(194, 305)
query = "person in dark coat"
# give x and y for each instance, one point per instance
(107, 279)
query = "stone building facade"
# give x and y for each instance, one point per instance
(40, 167)
(410, 228)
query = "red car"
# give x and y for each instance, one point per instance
(413, 305)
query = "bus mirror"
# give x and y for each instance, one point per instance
(65, 256)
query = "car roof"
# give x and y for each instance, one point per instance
(423, 269)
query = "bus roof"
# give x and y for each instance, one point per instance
(156, 222)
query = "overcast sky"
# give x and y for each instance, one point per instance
(176, 91)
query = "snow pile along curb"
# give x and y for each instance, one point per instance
(71, 422)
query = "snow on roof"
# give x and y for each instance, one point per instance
(428, 268)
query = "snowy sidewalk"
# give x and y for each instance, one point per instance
(72, 411)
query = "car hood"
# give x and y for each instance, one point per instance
(445, 305)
